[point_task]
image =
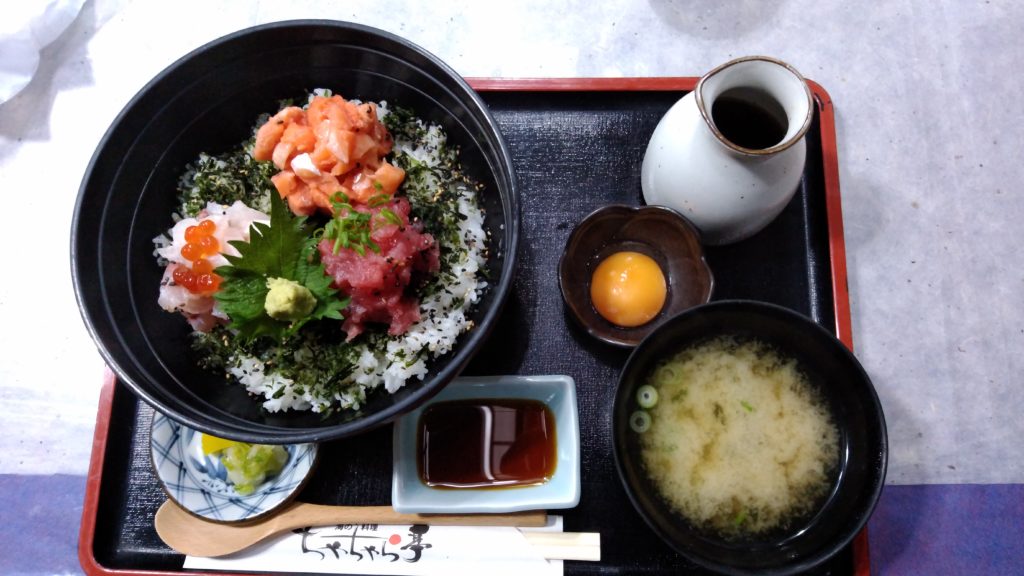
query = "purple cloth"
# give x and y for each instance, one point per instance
(39, 521)
(948, 529)
(943, 529)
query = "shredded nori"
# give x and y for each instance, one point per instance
(403, 124)
(316, 357)
(223, 179)
(433, 192)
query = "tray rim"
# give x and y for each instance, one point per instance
(837, 257)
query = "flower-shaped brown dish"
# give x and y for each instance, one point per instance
(656, 231)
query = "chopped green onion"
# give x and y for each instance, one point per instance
(390, 216)
(378, 200)
(647, 396)
(746, 405)
(350, 228)
(640, 421)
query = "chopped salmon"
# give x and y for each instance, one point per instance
(346, 144)
(390, 178)
(302, 203)
(282, 154)
(286, 183)
(269, 135)
(300, 136)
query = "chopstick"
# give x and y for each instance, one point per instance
(566, 545)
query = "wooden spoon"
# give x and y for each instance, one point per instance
(195, 536)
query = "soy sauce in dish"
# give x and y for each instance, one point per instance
(749, 118)
(486, 443)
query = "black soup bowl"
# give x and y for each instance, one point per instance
(209, 101)
(855, 482)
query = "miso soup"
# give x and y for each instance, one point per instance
(739, 442)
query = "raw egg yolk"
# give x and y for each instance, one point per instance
(628, 289)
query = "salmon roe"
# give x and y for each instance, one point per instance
(200, 242)
(200, 245)
(197, 232)
(202, 266)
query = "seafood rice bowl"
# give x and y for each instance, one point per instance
(336, 221)
(329, 257)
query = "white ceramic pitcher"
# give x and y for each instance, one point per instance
(730, 154)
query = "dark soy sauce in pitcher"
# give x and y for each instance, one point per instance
(749, 118)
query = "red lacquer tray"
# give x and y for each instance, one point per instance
(577, 144)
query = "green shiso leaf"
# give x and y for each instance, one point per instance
(274, 249)
(309, 271)
(282, 249)
(242, 296)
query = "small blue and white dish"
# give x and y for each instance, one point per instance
(198, 482)
(409, 494)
